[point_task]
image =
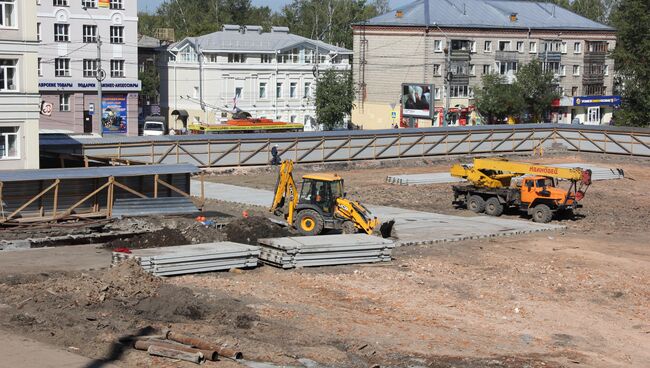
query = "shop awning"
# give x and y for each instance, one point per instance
(180, 114)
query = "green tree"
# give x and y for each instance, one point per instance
(150, 83)
(498, 99)
(592, 9)
(632, 57)
(334, 98)
(538, 89)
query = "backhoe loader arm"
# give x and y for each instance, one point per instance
(357, 214)
(285, 190)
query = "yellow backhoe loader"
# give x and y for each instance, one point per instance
(321, 205)
(496, 184)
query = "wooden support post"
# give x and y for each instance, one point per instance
(34, 199)
(86, 161)
(111, 195)
(202, 187)
(132, 191)
(171, 187)
(72, 208)
(155, 186)
(2, 206)
(55, 205)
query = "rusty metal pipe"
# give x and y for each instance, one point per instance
(145, 344)
(175, 354)
(200, 344)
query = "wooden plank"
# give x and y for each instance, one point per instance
(34, 199)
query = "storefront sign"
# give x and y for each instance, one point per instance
(114, 86)
(114, 114)
(597, 101)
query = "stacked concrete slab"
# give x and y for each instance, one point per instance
(187, 259)
(327, 250)
(423, 179)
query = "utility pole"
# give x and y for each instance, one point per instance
(448, 77)
(101, 75)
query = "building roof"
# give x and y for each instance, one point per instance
(232, 39)
(148, 42)
(486, 14)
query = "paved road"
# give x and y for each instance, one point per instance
(412, 227)
(54, 259)
(20, 352)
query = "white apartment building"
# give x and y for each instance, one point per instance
(19, 101)
(268, 74)
(69, 32)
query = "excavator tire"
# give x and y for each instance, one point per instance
(348, 227)
(542, 214)
(309, 222)
(476, 204)
(493, 207)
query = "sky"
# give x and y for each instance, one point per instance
(151, 5)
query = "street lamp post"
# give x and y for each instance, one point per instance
(100, 75)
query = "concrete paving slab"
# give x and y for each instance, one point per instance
(412, 227)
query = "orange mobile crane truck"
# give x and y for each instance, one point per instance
(496, 184)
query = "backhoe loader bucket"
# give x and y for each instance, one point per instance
(386, 229)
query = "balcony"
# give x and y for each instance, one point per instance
(460, 54)
(506, 55)
(550, 56)
(593, 79)
(459, 80)
(595, 58)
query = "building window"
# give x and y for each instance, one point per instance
(292, 118)
(436, 93)
(436, 69)
(60, 2)
(278, 90)
(211, 58)
(90, 68)
(38, 32)
(40, 69)
(459, 91)
(292, 90)
(606, 69)
(262, 89)
(520, 46)
(9, 143)
(504, 45)
(307, 90)
(117, 68)
(437, 45)
(506, 67)
(472, 69)
(577, 48)
(576, 70)
(487, 68)
(64, 102)
(239, 93)
(116, 4)
(89, 33)
(574, 91)
(8, 75)
(266, 59)
(61, 32)
(7, 13)
(472, 45)
(532, 47)
(89, 3)
(563, 47)
(563, 70)
(551, 66)
(488, 46)
(62, 67)
(117, 34)
(236, 58)
(196, 92)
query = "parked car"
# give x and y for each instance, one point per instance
(155, 125)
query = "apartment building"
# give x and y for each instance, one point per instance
(430, 41)
(268, 74)
(70, 32)
(19, 101)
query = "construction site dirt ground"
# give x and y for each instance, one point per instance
(575, 297)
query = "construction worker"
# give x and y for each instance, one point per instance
(276, 159)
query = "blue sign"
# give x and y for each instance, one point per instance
(114, 114)
(597, 101)
(393, 114)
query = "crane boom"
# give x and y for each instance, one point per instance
(497, 173)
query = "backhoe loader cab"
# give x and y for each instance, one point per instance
(321, 205)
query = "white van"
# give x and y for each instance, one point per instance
(154, 125)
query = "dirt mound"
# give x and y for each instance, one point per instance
(173, 304)
(161, 238)
(248, 230)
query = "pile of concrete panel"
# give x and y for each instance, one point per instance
(187, 259)
(310, 251)
(597, 172)
(423, 179)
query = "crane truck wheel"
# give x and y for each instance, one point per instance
(476, 204)
(309, 222)
(542, 214)
(493, 207)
